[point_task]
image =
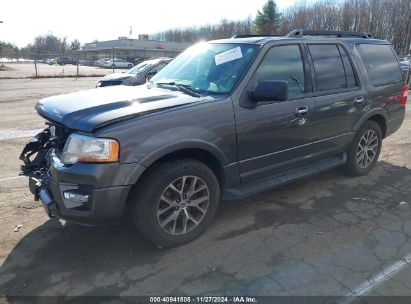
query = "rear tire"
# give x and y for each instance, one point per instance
(365, 149)
(175, 202)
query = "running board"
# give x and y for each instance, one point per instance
(283, 178)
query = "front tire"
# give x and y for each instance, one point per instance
(175, 202)
(365, 149)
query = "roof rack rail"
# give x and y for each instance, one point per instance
(251, 36)
(302, 32)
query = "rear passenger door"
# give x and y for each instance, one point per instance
(340, 100)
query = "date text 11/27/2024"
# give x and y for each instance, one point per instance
(204, 299)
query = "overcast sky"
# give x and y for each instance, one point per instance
(104, 20)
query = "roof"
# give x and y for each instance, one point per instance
(267, 39)
(312, 35)
(252, 40)
(157, 60)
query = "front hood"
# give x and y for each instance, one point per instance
(116, 76)
(91, 109)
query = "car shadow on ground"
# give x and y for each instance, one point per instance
(62, 258)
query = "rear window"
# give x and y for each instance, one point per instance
(381, 63)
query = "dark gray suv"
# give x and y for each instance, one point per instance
(226, 119)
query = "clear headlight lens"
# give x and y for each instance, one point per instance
(81, 148)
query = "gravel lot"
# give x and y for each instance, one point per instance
(25, 70)
(329, 235)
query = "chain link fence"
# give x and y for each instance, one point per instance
(70, 64)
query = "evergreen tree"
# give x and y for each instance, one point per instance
(75, 45)
(267, 21)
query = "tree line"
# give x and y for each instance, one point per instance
(384, 19)
(43, 45)
(224, 29)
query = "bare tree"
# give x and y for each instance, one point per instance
(384, 19)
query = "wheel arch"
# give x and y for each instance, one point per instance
(380, 120)
(377, 115)
(206, 153)
(201, 155)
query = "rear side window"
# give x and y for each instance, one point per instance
(381, 63)
(328, 67)
(349, 71)
(158, 67)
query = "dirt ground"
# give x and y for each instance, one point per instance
(329, 235)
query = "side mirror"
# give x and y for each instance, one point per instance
(270, 90)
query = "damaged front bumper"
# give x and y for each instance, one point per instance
(37, 169)
(42, 194)
(86, 193)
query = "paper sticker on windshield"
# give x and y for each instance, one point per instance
(227, 56)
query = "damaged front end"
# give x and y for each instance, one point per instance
(36, 156)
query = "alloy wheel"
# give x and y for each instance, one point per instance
(183, 205)
(367, 149)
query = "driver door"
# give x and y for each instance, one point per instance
(276, 135)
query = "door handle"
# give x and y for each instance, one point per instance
(359, 100)
(301, 111)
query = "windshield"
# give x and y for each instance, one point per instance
(140, 67)
(208, 68)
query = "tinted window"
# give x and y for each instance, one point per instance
(283, 63)
(158, 68)
(349, 71)
(381, 63)
(328, 67)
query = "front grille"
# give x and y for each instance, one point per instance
(35, 153)
(59, 135)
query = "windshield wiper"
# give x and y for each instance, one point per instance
(182, 87)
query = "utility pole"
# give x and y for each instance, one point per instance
(112, 65)
(2, 63)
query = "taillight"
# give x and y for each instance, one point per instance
(404, 95)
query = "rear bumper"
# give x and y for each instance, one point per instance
(90, 194)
